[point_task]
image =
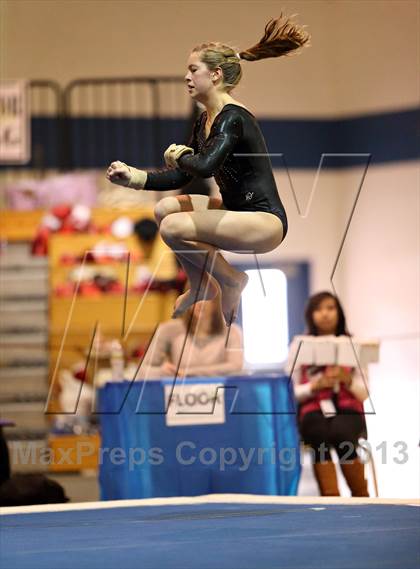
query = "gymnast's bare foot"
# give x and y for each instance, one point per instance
(208, 291)
(231, 296)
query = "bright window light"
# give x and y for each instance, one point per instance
(264, 319)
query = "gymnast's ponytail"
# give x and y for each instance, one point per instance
(281, 37)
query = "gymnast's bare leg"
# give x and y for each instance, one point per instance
(205, 282)
(201, 233)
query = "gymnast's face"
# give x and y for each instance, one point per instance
(325, 316)
(199, 79)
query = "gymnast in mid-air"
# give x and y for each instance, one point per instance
(226, 143)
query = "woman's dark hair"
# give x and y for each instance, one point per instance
(217, 324)
(146, 229)
(313, 304)
(281, 37)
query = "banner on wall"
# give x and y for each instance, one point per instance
(15, 132)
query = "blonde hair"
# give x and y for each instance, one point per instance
(281, 37)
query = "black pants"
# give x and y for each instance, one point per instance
(341, 432)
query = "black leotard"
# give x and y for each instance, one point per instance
(236, 155)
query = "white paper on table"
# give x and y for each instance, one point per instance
(333, 350)
(346, 352)
(325, 350)
(306, 352)
(194, 404)
(355, 351)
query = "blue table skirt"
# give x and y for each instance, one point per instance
(255, 451)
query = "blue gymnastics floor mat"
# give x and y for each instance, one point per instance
(208, 536)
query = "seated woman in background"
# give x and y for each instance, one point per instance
(198, 342)
(322, 391)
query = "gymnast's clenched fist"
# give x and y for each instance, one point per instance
(123, 175)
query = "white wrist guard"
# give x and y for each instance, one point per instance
(138, 178)
(174, 152)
